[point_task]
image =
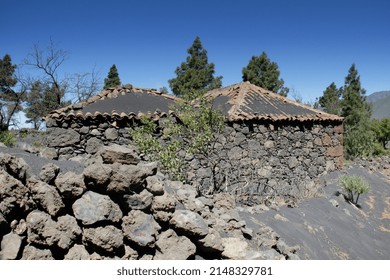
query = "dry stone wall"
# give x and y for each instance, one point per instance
(271, 160)
(121, 209)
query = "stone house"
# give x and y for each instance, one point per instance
(104, 119)
(271, 146)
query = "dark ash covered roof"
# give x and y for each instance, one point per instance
(245, 101)
(124, 102)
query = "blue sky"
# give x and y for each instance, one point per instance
(313, 42)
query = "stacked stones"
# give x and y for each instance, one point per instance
(270, 161)
(82, 138)
(278, 161)
(120, 208)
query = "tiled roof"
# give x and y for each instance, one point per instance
(124, 102)
(245, 101)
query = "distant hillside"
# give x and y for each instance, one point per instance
(380, 104)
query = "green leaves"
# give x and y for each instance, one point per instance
(330, 100)
(354, 185)
(112, 79)
(195, 76)
(264, 73)
(191, 133)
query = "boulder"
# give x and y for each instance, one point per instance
(10, 246)
(128, 178)
(49, 153)
(15, 167)
(93, 145)
(211, 243)
(189, 223)
(46, 196)
(107, 238)
(119, 154)
(97, 175)
(170, 246)
(94, 207)
(155, 185)
(68, 231)
(41, 229)
(14, 196)
(137, 201)
(61, 137)
(49, 173)
(111, 133)
(140, 228)
(77, 252)
(32, 253)
(163, 207)
(70, 184)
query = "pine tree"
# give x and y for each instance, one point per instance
(7, 77)
(112, 79)
(10, 100)
(35, 107)
(196, 75)
(330, 101)
(262, 72)
(358, 138)
(355, 109)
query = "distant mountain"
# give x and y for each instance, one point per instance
(380, 104)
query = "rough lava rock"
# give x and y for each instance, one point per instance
(46, 196)
(94, 207)
(49, 173)
(190, 223)
(108, 238)
(119, 154)
(70, 184)
(10, 246)
(140, 228)
(170, 246)
(14, 195)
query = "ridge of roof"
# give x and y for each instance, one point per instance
(79, 110)
(245, 97)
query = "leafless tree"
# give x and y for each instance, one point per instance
(49, 61)
(85, 85)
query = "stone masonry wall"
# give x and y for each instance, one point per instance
(121, 208)
(270, 159)
(266, 159)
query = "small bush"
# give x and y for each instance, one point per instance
(354, 185)
(7, 138)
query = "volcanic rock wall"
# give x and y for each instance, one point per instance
(120, 208)
(266, 159)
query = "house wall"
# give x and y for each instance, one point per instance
(270, 159)
(266, 159)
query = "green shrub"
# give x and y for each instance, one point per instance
(359, 142)
(193, 133)
(7, 138)
(354, 185)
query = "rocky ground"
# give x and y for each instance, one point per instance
(115, 207)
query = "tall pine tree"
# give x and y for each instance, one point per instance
(10, 100)
(358, 138)
(196, 75)
(330, 101)
(112, 79)
(262, 72)
(355, 109)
